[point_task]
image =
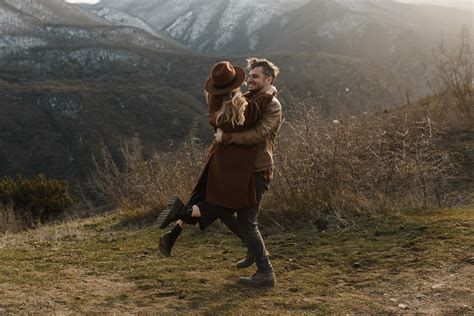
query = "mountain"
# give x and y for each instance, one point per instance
(45, 11)
(73, 78)
(379, 31)
(356, 28)
(71, 81)
(45, 23)
(396, 35)
(219, 26)
(116, 17)
(462, 4)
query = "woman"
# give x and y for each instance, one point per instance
(226, 183)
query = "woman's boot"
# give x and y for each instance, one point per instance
(167, 240)
(175, 210)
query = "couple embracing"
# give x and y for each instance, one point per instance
(239, 165)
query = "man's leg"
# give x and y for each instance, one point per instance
(230, 221)
(248, 225)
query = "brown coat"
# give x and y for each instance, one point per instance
(227, 177)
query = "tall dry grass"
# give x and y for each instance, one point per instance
(8, 220)
(388, 161)
(147, 183)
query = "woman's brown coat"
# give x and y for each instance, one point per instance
(227, 177)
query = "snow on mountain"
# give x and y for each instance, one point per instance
(11, 20)
(56, 11)
(347, 24)
(15, 44)
(26, 24)
(207, 26)
(117, 17)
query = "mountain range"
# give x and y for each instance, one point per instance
(73, 78)
(368, 29)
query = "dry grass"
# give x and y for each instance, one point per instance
(147, 182)
(393, 160)
(423, 260)
(52, 233)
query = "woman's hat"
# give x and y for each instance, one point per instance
(224, 78)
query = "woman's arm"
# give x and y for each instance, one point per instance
(269, 121)
(256, 107)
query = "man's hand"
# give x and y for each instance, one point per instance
(272, 90)
(218, 136)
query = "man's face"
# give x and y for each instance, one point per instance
(257, 81)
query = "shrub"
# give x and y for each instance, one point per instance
(140, 182)
(388, 161)
(35, 200)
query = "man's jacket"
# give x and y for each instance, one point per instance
(263, 134)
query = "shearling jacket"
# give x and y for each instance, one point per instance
(263, 135)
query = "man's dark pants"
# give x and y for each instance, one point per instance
(247, 219)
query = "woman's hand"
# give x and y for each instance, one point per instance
(218, 136)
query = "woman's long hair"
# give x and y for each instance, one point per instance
(232, 109)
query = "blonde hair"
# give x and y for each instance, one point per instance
(232, 109)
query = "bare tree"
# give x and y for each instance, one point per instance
(456, 77)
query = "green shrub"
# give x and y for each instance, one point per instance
(37, 199)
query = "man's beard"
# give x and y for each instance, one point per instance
(256, 90)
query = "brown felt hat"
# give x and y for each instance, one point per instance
(224, 78)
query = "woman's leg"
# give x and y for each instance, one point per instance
(197, 211)
(168, 239)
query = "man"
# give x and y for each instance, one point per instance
(262, 73)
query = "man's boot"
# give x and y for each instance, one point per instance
(259, 279)
(246, 262)
(174, 211)
(167, 240)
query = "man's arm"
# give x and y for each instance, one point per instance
(270, 120)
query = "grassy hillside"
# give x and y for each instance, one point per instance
(60, 104)
(55, 127)
(413, 262)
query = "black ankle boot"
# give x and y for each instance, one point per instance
(167, 240)
(174, 211)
